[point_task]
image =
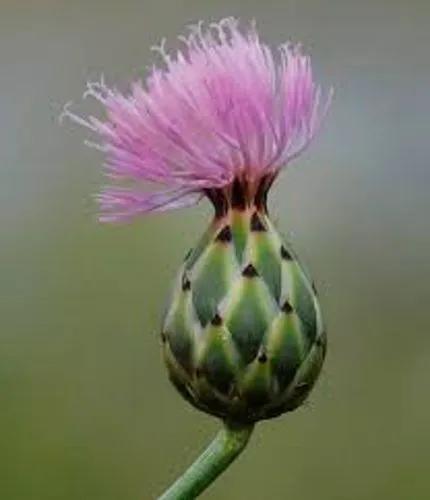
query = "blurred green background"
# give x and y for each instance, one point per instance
(86, 409)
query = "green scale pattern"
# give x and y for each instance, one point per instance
(243, 337)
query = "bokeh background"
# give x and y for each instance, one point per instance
(86, 411)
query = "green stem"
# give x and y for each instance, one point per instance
(227, 445)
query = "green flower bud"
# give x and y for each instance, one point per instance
(243, 337)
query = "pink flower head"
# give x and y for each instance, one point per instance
(221, 110)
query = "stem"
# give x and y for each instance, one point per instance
(227, 445)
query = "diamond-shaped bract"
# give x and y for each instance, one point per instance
(243, 337)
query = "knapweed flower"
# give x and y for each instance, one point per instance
(243, 337)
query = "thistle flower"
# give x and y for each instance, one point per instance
(243, 337)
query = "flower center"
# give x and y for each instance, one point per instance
(240, 195)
